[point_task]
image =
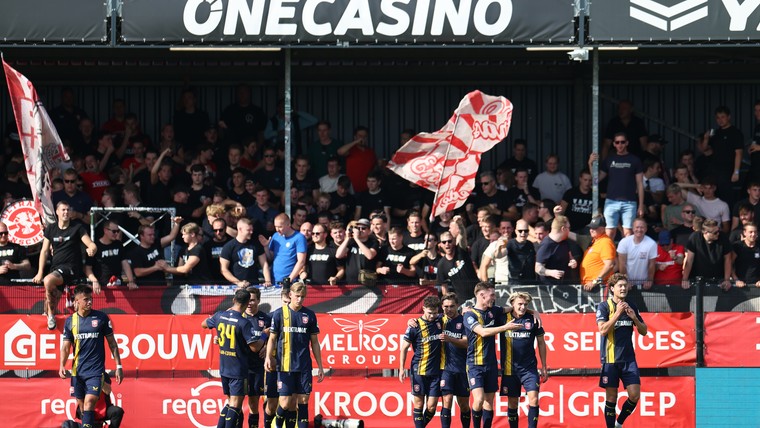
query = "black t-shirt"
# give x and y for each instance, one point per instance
(756, 208)
(478, 247)
(272, 180)
(708, 258)
(428, 268)
(553, 255)
(66, 245)
(634, 131)
(681, 234)
(107, 261)
(461, 272)
(528, 164)
(243, 122)
(522, 260)
(196, 198)
(356, 260)
(372, 202)
(141, 257)
(417, 244)
(349, 201)
(725, 143)
(307, 185)
(409, 198)
(213, 251)
(747, 263)
(621, 175)
(15, 254)
(391, 258)
(579, 207)
(321, 264)
(518, 198)
(244, 259)
(501, 200)
(200, 273)
(755, 156)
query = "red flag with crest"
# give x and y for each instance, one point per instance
(43, 149)
(446, 161)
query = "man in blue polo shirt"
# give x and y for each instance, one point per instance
(287, 250)
(616, 319)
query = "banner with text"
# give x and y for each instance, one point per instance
(674, 20)
(162, 342)
(347, 22)
(379, 402)
(44, 21)
(724, 348)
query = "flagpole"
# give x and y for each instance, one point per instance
(440, 180)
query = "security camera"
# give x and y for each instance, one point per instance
(578, 54)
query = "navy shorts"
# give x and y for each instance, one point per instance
(613, 373)
(483, 377)
(426, 385)
(289, 383)
(454, 384)
(256, 382)
(234, 387)
(528, 379)
(81, 385)
(271, 384)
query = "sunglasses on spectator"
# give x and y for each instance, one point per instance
(361, 227)
(3, 233)
(485, 183)
(268, 156)
(114, 230)
(316, 233)
(688, 211)
(218, 230)
(447, 241)
(69, 181)
(620, 141)
(522, 230)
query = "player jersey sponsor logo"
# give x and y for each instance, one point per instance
(295, 330)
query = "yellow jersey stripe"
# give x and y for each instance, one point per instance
(445, 321)
(508, 349)
(75, 332)
(479, 357)
(286, 342)
(610, 347)
(425, 356)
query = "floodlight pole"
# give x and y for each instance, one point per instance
(595, 132)
(287, 125)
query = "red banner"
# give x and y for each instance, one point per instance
(722, 346)
(380, 402)
(165, 342)
(382, 299)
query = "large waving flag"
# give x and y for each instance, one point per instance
(40, 142)
(446, 161)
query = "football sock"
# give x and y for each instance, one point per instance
(88, 418)
(303, 416)
(465, 417)
(512, 417)
(291, 418)
(609, 414)
(253, 420)
(419, 418)
(279, 419)
(487, 418)
(532, 416)
(231, 420)
(222, 415)
(445, 418)
(428, 416)
(626, 411)
(477, 416)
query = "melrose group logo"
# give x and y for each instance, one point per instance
(668, 18)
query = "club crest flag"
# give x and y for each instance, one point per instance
(446, 161)
(40, 142)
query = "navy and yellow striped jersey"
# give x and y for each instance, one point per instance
(260, 321)
(294, 330)
(617, 344)
(481, 351)
(87, 335)
(234, 333)
(454, 358)
(426, 343)
(517, 346)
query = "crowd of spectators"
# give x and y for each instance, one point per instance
(354, 221)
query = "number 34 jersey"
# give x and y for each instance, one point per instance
(234, 333)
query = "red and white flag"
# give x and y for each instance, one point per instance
(40, 142)
(447, 161)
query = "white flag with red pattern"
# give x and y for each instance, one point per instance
(446, 161)
(40, 142)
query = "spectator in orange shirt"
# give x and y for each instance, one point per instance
(599, 261)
